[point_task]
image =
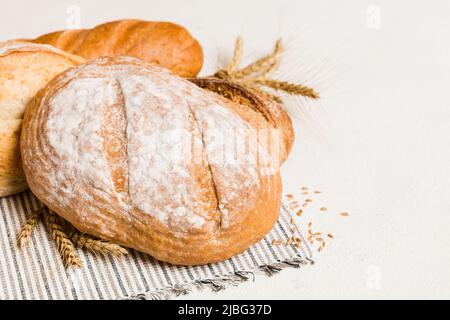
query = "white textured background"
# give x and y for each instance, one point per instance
(377, 145)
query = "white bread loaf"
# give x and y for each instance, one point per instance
(25, 68)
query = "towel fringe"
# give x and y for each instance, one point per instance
(218, 284)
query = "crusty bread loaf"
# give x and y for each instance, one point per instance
(25, 68)
(164, 43)
(132, 154)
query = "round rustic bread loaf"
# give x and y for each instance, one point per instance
(25, 68)
(130, 153)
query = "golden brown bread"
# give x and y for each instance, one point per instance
(132, 154)
(25, 68)
(164, 43)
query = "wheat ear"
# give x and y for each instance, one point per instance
(291, 88)
(65, 246)
(255, 75)
(27, 229)
(263, 64)
(97, 247)
(237, 55)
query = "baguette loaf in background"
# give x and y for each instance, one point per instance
(25, 68)
(163, 43)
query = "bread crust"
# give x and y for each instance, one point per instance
(25, 68)
(100, 173)
(261, 110)
(164, 43)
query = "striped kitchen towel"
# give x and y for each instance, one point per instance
(36, 271)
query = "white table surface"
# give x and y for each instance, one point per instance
(377, 144)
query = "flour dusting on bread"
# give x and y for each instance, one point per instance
(163, 121)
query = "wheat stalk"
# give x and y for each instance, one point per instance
(97, 247)
(27, 229)
(237, 55)
(65, 246)
(255, 75)
(291, 88)
(263, 64)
